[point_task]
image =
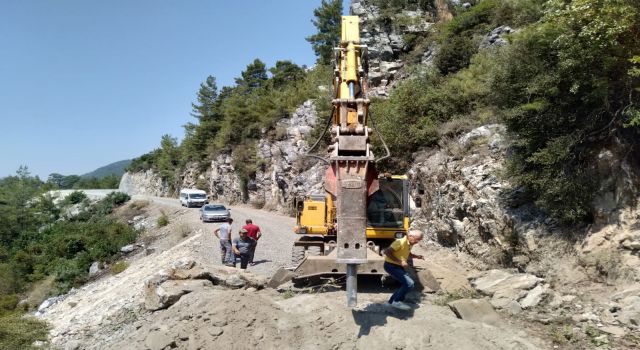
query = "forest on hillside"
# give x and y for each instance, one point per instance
(46, 248)
(565, 85)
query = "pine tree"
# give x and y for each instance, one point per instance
(199, 137)
(328, 17)
(285, 72)
(206, 96)
(254, 77)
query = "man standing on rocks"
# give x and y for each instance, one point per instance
(253, 231)
(242, 247)
(224, 235)
(395, 263)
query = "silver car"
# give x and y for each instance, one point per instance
(214, 212)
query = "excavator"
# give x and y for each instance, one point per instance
(343, 230)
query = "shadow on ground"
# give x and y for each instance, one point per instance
(376, 315)
(262, 261)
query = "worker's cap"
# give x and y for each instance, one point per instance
(244, 231)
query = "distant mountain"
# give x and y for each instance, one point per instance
(116, 168)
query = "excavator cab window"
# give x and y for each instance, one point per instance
(387, 205)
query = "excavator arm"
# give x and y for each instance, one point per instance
(351, 177)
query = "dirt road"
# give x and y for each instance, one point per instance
(274, 248)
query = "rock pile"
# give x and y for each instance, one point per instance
(496, 37)
(510, 290)
(185, 276)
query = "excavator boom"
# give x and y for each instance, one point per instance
(351, 176)
(343, 230)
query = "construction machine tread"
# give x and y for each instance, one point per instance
(297, 255)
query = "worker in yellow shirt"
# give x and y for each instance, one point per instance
(395, 262)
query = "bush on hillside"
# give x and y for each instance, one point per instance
(20, 332)
(163, 220)
(75, 197)
(561, 89)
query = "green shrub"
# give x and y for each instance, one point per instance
(19, 332)
(117, 198)
(559, 89)
(163, 220)
(118, 267)
(75, 197)
(8, 302)
(69, 273)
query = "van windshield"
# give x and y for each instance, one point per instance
(197, 196)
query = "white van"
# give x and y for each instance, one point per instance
(193, 198)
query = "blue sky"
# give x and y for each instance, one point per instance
(86, 83)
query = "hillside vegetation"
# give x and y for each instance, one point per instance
(232, 119)
(565, 84)
(49, 243)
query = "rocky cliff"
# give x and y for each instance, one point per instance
(386, 41)
(143, 183)
(282, 174)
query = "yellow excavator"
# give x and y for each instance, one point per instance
(342, 231)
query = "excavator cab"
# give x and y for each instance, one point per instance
(314, 252)
(388, 209)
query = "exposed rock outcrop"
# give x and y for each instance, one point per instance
(186, 276)
(465, 204)
(386, 41)
(509, 289)
(285, 172)
(144, 183)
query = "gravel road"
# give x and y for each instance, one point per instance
(274, 248)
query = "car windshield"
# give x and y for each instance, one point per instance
(214, 207)
(197, 196)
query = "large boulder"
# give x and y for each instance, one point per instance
(475, 310)
(161, 294)
(185, 276)
(509, 289)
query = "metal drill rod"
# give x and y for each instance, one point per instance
(352, 285)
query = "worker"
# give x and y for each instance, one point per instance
(253, 231)
(224, 235)
(396, 258)
(242, 248)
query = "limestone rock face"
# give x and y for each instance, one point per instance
(144, 183)
(466, 205)
(283, 172)
(386, 41)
